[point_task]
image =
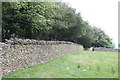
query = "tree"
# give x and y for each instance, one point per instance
(101, 39)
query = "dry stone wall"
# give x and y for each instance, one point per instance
(105, 49)
(16, 55)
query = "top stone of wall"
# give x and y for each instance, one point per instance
(17, 41)
(13, 41)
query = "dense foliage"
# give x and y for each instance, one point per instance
(50, 21)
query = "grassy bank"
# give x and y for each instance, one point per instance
(85, 64)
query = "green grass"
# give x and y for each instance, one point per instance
(85, 64)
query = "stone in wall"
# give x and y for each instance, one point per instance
(24, 53)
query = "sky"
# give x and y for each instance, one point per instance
(100, 13)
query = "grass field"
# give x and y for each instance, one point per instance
(85, 64)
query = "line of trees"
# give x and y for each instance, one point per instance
(50, 21)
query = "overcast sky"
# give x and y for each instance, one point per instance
(100, 13)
